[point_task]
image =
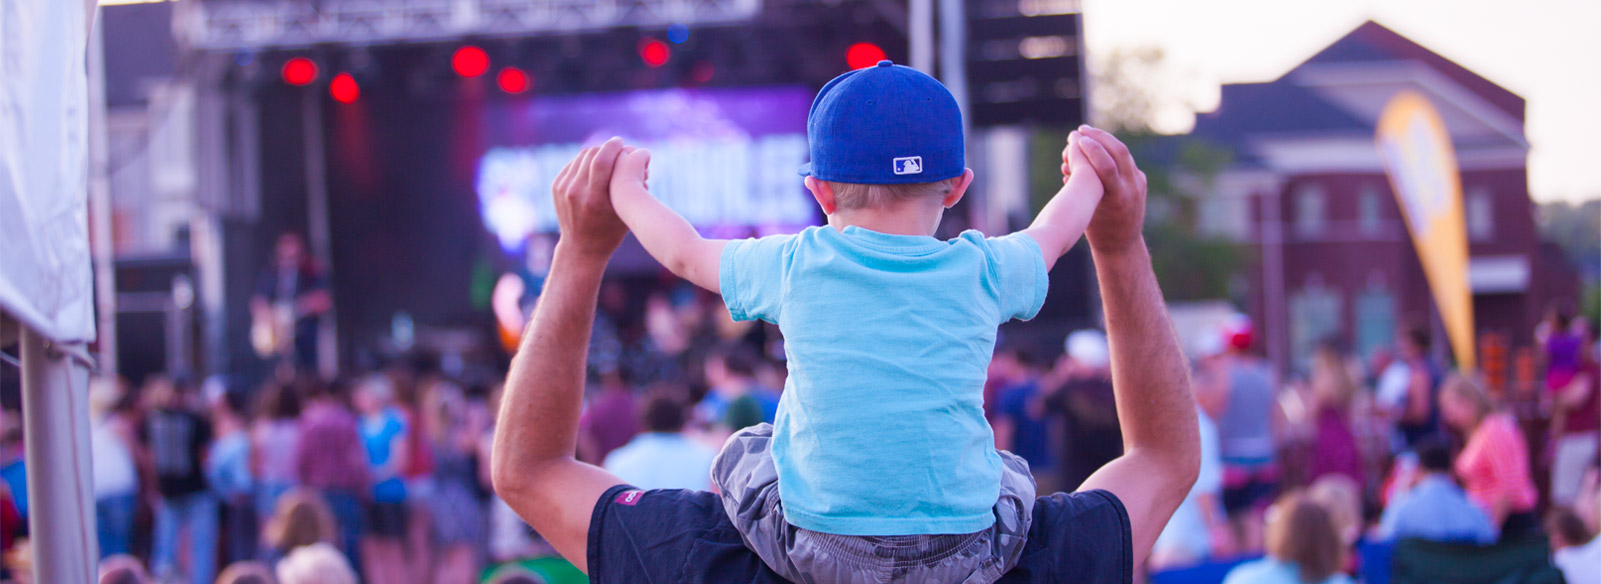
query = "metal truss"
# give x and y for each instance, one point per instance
(230, 25)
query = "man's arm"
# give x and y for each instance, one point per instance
(532, 467)
(1062, 221)
(1150, 377)
(663, 232)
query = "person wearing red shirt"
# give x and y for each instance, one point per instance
(1494, 462)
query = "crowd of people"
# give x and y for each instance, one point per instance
(386, 473)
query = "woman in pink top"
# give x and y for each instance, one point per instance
(1494, 463)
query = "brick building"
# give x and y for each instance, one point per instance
(1306, 192)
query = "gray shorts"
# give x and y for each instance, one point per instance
(748, 480)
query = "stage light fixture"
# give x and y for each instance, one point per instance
(513, 80)
(703, 72)
(863, 55)
(299, 71)
(344, 89)
(678, 33)
(654, 52)
(470, 61)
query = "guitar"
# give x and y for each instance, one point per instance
(272, 332)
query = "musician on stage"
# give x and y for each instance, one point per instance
(291, 297)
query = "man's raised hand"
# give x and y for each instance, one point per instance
(1121, 214)
(582, 196)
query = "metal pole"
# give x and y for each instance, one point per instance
(104, 248)
(921, 17)
(55, 420)
(953, 53)
(317, 217)
(1274, 315)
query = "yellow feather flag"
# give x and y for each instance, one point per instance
(1421, 163)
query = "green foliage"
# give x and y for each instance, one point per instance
(1576, 228)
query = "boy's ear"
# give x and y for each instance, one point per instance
(824, 193)
(958, 188)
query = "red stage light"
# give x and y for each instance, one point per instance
(344, 88)
(299, 71)
(862, 55)
(513, 80)
(654, 52)
(470, 61)
(703, 72)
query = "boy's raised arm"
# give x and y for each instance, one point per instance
(664, 233)
(1064, 218)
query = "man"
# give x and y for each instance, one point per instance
(619, 534)
(1435, 508)
(1079, 389)
(290, 298)
(1020, 424)
(663, 457)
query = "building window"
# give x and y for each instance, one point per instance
(1368, 217)
(1480, 214)
(1375, 316)
(1311, 209)
(1314, 317)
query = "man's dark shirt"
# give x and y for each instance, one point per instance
(1091, 434)
(685, 536)
(177, 440)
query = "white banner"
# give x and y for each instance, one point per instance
(45, 275)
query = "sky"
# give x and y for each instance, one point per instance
(1547, 51)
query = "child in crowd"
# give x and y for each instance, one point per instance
(887, 468)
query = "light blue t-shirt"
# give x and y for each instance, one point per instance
(881, 430)
(1270, 570)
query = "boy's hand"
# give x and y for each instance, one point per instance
(633, 169)
(1073, 157)
(1120, 217)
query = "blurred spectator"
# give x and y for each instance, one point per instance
(662, 457)
(1302, 547)
(1334, 446)
(1079, 388)
(1576, 538)
(1342, 498)
(246, 573)
(275, 442)
(1198, 530)
(1241, 394)
(1434, 507)
(1494, 463)
(115, 476)
(386, 438)
(731, 374)
(609, 420)
(13, 461)
(1408, 387)
(1575, 421)
(228, 472)
(122, 569)
(178, 437)
(1020, 425)
(509, 537)
(330, 458)
(301, 518)
(315, 564)
(1560, 346)
(457, 517)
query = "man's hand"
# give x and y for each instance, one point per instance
(582, 194)
(1121, 215)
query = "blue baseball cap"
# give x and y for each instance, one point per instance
(884, 125)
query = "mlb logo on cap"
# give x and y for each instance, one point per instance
(884, 125)
(909, 165)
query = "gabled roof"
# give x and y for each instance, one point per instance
(1373, 42)
(1339, 93)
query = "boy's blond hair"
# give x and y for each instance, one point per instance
(862, 196)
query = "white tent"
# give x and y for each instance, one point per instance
(45, 275)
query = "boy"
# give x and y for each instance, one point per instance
(887, 468)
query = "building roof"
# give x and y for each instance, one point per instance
(1339, 93)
